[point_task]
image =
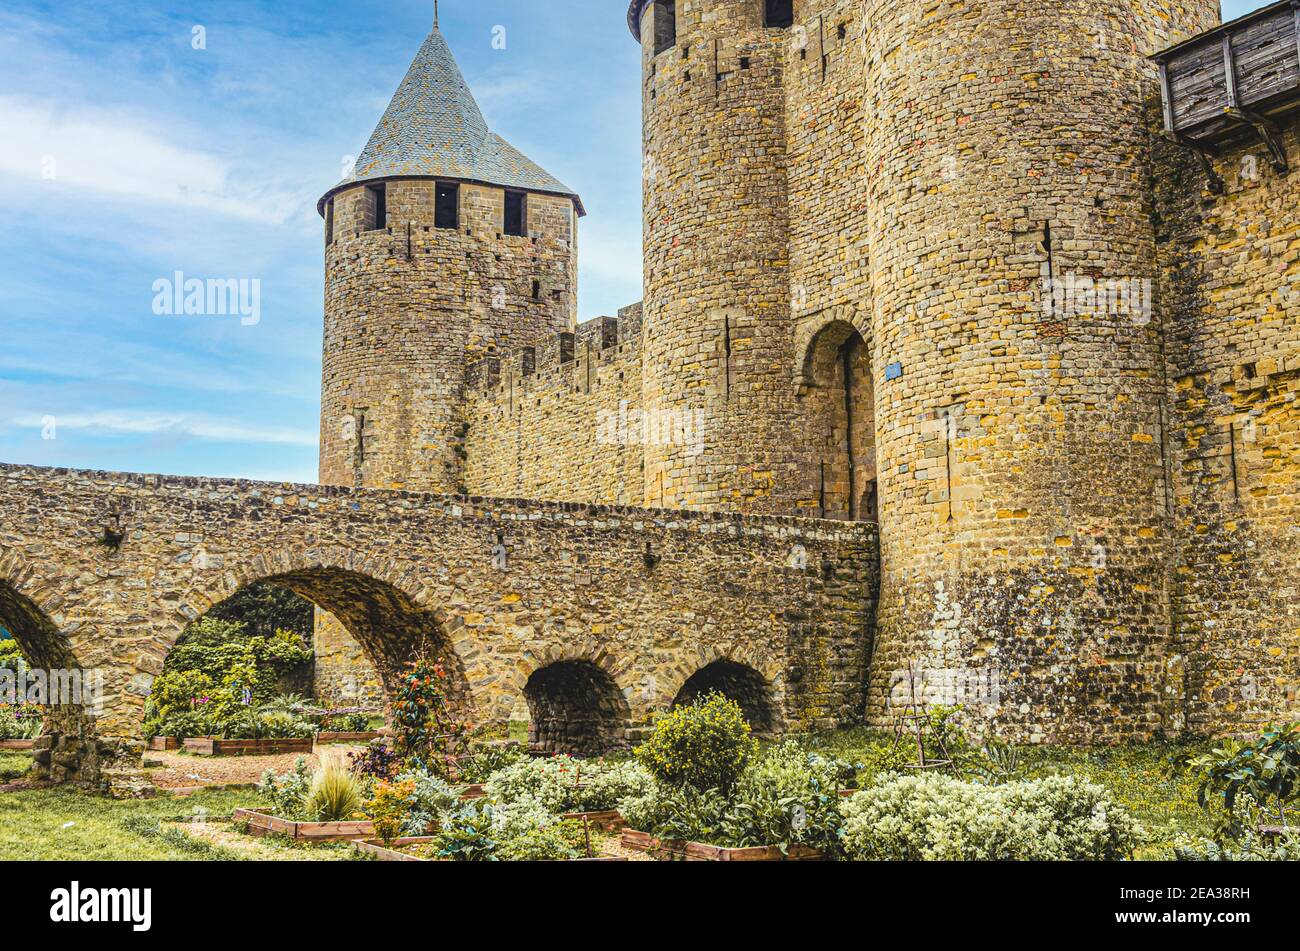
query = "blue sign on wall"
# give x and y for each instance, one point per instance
(893, 371)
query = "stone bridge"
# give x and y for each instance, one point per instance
(596, 615)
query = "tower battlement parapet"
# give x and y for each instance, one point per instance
(572, 359)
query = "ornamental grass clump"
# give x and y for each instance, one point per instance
(335, 794)
(704, 745)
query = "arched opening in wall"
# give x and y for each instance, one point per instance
(42, 689)
(744, 685)
(841, 413)
(241, 684)
(575, 707)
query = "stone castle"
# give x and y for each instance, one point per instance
(970, 352)
(926, 266)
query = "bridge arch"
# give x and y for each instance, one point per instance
(737, 681)
(28, 611)
(576, 706)
(381, 602)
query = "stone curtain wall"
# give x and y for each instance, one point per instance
(647, 597)
(1230, 271)
(1026, 530)
(563, 419)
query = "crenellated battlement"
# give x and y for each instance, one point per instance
(570, 361)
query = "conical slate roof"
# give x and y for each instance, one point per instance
(433, 128)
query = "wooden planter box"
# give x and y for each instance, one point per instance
(679, 851)
(17, 744)
(384, 854)
(211, 746)
(161, 744)
(260, 824)
(348, 737)
(607, 821)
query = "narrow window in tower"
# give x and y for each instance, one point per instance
(537, 290)
(516, 206)
(665, 21)
(778, 14)
(379, 207)
(446, 206)
(329, 222)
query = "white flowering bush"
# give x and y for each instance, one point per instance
(563, 784)
(938, 818)
(611, 783)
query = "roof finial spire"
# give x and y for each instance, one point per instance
(435, 14)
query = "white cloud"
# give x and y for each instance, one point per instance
(111, 153)
(151, 424)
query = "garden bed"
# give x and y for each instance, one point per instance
(260, 824)
(679, 851)
(214, 746)
(608, 820)
(17, 745)
(392, 852)
(395, 853)
(162, 744)
(366, 737)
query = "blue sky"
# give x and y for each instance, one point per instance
(127, 155)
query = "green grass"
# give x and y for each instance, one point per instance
(13, 765)
(1140, 776)
(66, 823)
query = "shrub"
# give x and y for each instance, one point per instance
(677, 813)
(564, 784)
(426, 732)
(378, 761)
(479, 766)
(345, 723)
(1248, 781)
(705, 744)
(334, 796)
(543, 843)
(939, 818)
(387, 808)
(11, 655)
(431, 799)
(607, 783)
(287, 794)
(182, 725)
(174, 693)
(784, 798)
(1252, 848)
(20, 722)
(467, 834)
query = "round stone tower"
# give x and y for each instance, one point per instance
(444, 246)
(717, 339)
(1024, 491)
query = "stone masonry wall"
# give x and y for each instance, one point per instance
(1230, 272)
(503, 588)
(563, 419)
(1026, 524)
(717, 253)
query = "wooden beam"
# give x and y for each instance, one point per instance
(1167, 96)
(1230, 72)
(1295, 8)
